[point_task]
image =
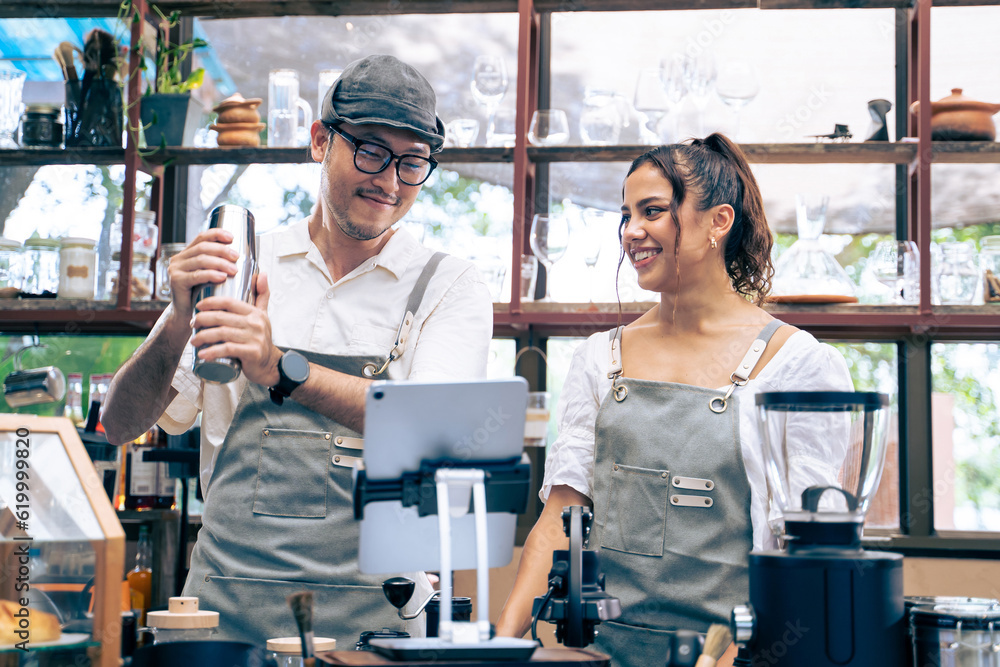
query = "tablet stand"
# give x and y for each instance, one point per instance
(453, 487)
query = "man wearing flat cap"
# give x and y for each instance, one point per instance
(341, 299)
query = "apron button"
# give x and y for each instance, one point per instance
(336, 459)
(616, 466)
(266, 432)
(340, 441)
(327, 436)
(208, 577)
(663, 475)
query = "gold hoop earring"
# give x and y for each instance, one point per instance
(714, 244)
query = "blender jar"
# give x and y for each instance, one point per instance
(823, 455)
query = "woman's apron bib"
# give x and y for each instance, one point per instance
(671, 507)
(279, 516)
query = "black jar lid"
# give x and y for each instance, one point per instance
(42, 109)
(971, 616)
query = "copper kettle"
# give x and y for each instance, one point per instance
(960, 118)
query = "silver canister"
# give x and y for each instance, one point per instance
(240, 223)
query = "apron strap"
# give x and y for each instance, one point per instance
(615, 364)
(741, 375)
(412, 303)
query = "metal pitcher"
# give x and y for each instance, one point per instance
(240, 223)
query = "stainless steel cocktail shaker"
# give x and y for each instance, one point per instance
(239, 222)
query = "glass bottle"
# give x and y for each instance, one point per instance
(140, 476)
(167, 250)
(142, 277)
(989, 258)
(73, 409)
(957, 276)
(140, 577)
(77, 268)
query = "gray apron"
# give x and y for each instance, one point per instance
(671, 507)
(279, 515)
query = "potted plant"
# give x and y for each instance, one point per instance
(169, 114)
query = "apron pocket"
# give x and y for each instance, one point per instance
(636, 517)
(293, 473)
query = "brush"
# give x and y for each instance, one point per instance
(302, 607)
(717, 640)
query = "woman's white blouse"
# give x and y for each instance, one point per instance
(802, 364)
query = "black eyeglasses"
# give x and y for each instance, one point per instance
(372, 158)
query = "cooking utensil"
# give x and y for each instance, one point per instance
(301, 604)
(960, 118)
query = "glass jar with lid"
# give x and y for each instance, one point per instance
(989, 259)
(77, 268)
(167, 250)
(957, 276)
(287, 651)
(41, 267)
(142, 277)
(40, 126)
(10, 267)
(144, 233)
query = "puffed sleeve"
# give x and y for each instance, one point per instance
(570, 459)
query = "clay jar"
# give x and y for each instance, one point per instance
(238, 123)
(959, 118)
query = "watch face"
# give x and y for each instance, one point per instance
(295, 366)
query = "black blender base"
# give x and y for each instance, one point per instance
(827, 611)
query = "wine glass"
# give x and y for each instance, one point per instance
(489, 84)
(699, 79)
(672, 80)
(652, 102)
(737, 85)
(591, 237)
(896, 265)
(549, 240)
(549, 127)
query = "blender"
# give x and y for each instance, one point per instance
(822, 600)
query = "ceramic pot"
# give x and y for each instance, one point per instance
(238, 122)
(959, 118)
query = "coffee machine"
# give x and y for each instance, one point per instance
(822, 600)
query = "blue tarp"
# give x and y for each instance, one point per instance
(28, 45)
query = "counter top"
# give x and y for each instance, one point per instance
(549, 657)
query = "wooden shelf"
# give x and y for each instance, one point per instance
(77, 316)
(840, 321)
(45, 156)
(967, 152)
(813, 153)
(264, 155)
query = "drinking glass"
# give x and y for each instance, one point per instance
(327, 78)
(549, 127)
(503, 130)
(489, 85)
(11, 85)
(736, 85)
(464, 131)
(549, 240)
(529, 276)
(283, 105)
(652, 102)
(896, 265)
(699, 80)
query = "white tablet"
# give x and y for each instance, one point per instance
(410, 422)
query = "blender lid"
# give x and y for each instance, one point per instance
(821, 401)
(931, 600)
(971, 616)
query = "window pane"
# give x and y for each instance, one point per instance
(965, 379)
(874, 367)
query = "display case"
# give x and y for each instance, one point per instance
(62, 549)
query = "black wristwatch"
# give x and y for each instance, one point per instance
(293, 370)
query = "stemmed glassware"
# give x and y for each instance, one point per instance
(737, 85)
(652, 102)
(489, 85)
(549, 239)
(699, 79)
(591, 237)
(672, 80)
(896, 265)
